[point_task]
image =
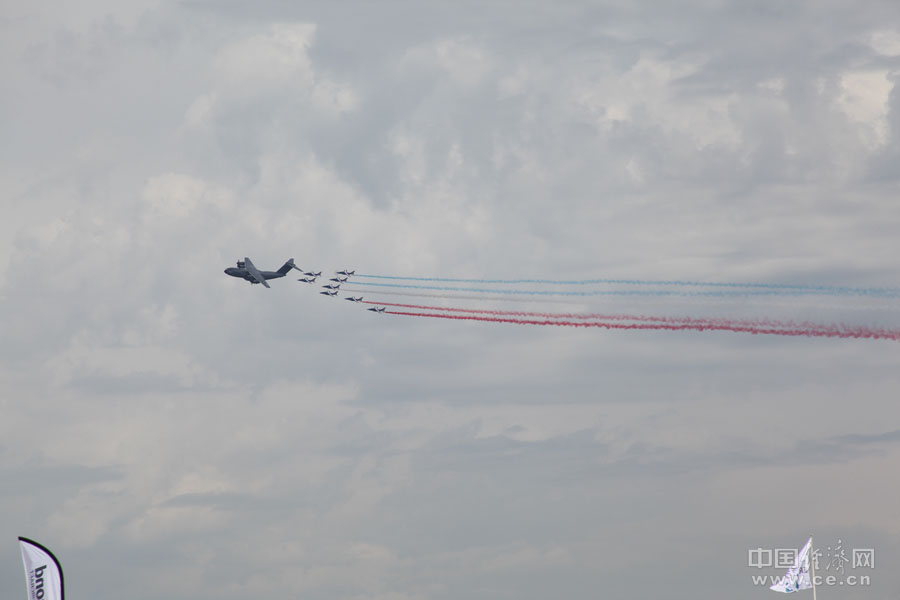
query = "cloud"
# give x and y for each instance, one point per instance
(864, 98)
(223, 440)
(462, 59)
(178, 196)
(886, 42)
(269, 60)
(272, 68)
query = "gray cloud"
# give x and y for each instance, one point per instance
(215, 439)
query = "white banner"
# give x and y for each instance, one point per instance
(43, 575)
(797, 577)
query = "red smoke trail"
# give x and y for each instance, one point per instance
(707, 323)
(824, 331)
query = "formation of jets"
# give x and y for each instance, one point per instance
(246, 270)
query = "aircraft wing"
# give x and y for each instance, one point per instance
(254, 272)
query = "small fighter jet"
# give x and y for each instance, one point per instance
(346, 272)
(331, 293)
(380, 309)
(330, 286)
(339, 279)
(245, 269)
(354, 299)
(307, 279)
(311, 274)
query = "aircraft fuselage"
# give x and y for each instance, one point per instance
(245, 274)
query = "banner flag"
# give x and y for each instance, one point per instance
(43, 574)
(797, 577)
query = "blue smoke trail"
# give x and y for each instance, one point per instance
(717, 293)
(462, 296)
(766, 288)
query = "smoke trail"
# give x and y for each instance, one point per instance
(826, 331)
(846, 303)
(708, 322)
(713, 293)
(462, 296)
(783, 287)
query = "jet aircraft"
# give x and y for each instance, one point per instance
(329, 293)
(354, 299)
(311, 274)
(380, 309)
(339, 279)
(346, 272)
(307, 279)
(245, 269)
(330, 286)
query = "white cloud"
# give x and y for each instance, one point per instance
(886, 42)
(179, 196)
(261, 63)
(332, 97)
(266, 66)
(44, 234)
(864, 98)
(647, 93)
(463, 59)
(201, 111)
(154, 324)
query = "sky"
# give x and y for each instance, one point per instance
(171, 432)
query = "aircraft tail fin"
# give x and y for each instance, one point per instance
(286, 267)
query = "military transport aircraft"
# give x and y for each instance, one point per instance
(245, 269)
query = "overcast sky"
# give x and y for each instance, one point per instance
(174, 433)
